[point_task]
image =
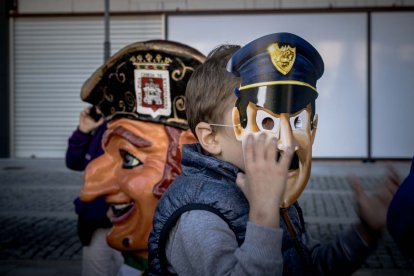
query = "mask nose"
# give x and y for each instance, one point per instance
(286, 139)
(99, 179)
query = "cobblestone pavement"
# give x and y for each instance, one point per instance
(38, 224)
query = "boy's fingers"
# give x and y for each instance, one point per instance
(272, 150)
(248, 149)
(286, 158)
(241, 180)
(260, 146)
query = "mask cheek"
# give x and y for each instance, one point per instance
(251, 126)
(239, 131)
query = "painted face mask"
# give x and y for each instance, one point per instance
(141, 160)
(140, 91)
(278, 74)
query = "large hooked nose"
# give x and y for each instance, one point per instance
(99, 179)
(286, 139)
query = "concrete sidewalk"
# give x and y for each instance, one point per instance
(38, 223)
(40, 268)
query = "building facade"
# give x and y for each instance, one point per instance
(49, 48)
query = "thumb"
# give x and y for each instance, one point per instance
(241, 180)
(100, 122)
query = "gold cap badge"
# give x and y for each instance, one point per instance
(282, 58)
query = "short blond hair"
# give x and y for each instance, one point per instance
(210, 89)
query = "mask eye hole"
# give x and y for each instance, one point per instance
(266, 122)
(299, 122)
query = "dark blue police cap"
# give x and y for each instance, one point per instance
(278, 72)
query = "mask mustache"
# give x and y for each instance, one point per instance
(294, 164)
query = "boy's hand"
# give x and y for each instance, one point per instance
(264, 181)
(372, 209)
(86, 123)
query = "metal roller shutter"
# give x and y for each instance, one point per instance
(52, 59)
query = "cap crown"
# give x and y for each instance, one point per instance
(278, 71)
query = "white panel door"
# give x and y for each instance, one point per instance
(393, 85)
(52, 59)
(342, 41)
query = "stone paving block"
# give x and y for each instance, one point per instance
(386, 256)
(45, 199)
(34, 178)
(341, 183)
(36, 238)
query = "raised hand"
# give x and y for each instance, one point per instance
(372, 209)
(264, 180)
(86, 123)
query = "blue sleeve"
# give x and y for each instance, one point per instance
(78, 146)
(342, 256)
(400, 217)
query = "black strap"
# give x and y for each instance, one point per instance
(299, 246)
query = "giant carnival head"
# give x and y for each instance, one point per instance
(140, 91)
(278, 75)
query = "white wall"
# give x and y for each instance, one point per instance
(78, 6)
(393, 84)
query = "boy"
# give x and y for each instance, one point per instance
(206, 225)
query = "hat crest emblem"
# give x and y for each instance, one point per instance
(282, 58)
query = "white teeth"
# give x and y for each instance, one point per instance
(121, 206)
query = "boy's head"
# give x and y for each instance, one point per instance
(210, 99)
(210, 90)
(278, 75)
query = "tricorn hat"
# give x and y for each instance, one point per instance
(144, 81)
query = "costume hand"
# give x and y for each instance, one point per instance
(264, 180)
(86, 123)
(372, 209)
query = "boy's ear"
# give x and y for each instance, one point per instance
(238, 130)
(207, 138)
(315, 127)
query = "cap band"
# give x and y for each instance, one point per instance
(268, 83)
